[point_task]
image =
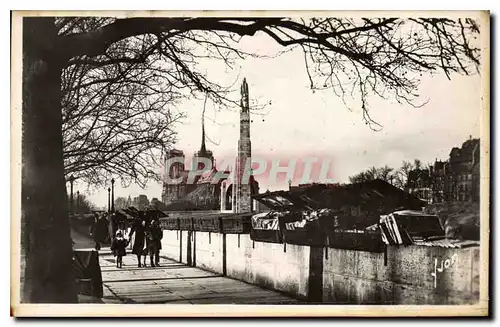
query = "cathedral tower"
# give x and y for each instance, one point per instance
(173, 191)
(242, 201)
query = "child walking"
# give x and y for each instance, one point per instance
(121, 227)
(118, 247)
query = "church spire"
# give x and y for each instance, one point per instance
(203, 148)
(204, 152)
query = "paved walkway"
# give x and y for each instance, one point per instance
(174, 282)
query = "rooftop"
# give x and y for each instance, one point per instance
(333, 196)
(466, 152)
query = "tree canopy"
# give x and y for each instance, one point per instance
(125, 78)
(397, 177)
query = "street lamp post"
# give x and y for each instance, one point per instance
(112, 195)
(77, 202)
(71, 180)
(109, 199)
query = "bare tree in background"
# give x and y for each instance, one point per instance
(384, 173)
(121, 203)
(401, 175)
(117, 121)
(354, 58)
(84, 205)
(361, 177)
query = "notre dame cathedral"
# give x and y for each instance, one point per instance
(205, 192)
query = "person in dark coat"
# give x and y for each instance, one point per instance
(118, 246)
(93, 224)
(138, 230)
(154, 236)
(100, 232)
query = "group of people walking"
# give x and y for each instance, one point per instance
(145, 236)
(147, 240)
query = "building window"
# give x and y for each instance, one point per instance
(469, 176)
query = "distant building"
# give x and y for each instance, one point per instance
(419, 184)
(201, 193)
(458, 179)
(438, 181)
(174, 191)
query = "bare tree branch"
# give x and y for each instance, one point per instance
(115, 66)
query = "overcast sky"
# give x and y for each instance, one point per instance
(301, 123)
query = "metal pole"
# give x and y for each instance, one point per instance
(112, 195)
(77, 202)
(109, 199)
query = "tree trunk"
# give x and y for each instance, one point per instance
(46, 242)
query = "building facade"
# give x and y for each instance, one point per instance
(458, 179)
(209, 190)
(175, 191)
(419, 184)
(454, 180)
